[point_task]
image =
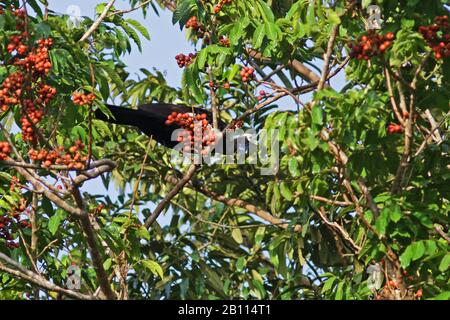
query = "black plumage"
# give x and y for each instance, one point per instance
(151, 119)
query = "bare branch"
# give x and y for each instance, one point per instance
(178, 187)
(238, 203)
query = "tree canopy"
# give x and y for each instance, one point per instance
(357, 207)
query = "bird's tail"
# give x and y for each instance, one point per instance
(120, 115)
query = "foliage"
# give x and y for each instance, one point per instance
(360, 195)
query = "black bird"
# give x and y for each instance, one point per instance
(151, 119)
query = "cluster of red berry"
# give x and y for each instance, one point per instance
(32, 63)
(437, 36)
(370, 45)
(82, 99)
(219, 6)
(31, 117)
(11, 90)
(185, 60)
(46, 94)
(197, 132)
(38, 60)
(5, 150)
(9, 222)
(15, 43)
(199, 28)
(224, 41)
(262, 95)
(247, 73)
(394, 128)
(72, 159)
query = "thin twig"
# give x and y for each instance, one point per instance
(178, 187)
(130, 10)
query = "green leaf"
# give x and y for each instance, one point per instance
(266, 11)
(238, 30)
(143, 233)
(396, 213)
(132, 34)
(154, 267)
(183, 12)
(418, 250)
(258, 36)
(445, 263)
(366, 3)
(236, 234)
(382, 221)
(442, 296)
(201, 58)
(423, 218)
(271, 30)
(53, 223)
(311, 140)
(328, 284)
(317, 115)
(138, 26)
(107, 264)
(43, 30)
(285, 191)
(339, 291)
(294, 167)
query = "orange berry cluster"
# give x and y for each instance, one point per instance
(196, 26)
(219, 6)
(197, 131)
(5, 150)
(32, 63)
(394, 128)
(15, 43)
(184, 60)
(72, 159)
(32, 117)
(10, 222)
(371, 45)
(247, 73)
(224, 41)
(46, 93)
(11, 90)
(437, 36)
(82, 99)
(38, 60)
(14, 183)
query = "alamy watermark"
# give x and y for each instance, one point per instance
(74, 13)
(374, 21)
(74, 278)
(233, 146)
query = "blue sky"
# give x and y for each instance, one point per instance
(166, 39)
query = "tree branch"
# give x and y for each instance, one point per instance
(98, 21)
(266, 216)
(93, 246)
(20, 272)
(178, 187)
